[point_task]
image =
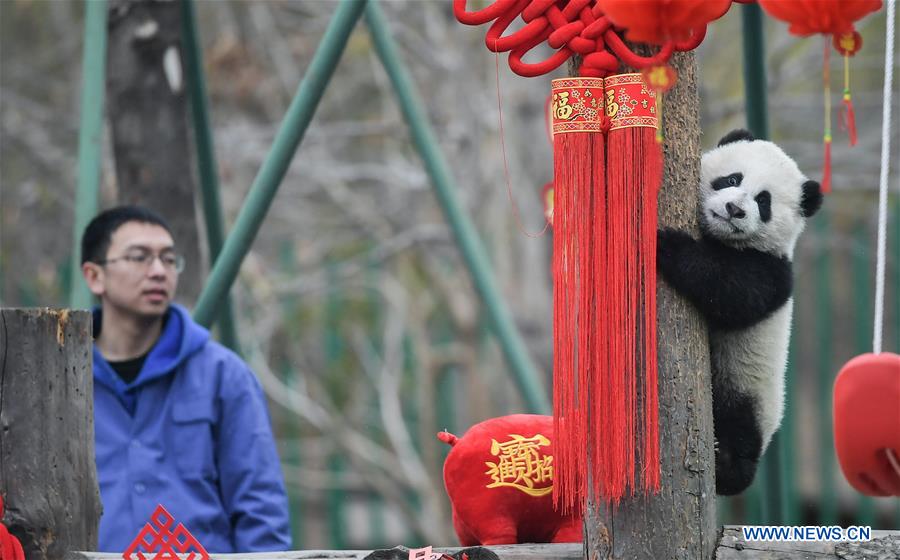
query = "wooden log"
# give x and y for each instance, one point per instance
(508, 552)
(679, 522)
(48, 477)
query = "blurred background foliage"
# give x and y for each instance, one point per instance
(354, 306)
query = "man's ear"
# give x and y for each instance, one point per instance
(811, 200)
(93, 277)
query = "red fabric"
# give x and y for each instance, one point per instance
(489, 504)
(10, 547)
(867, 422)
(658, 21)
(815, 16)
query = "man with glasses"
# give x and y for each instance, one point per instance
(179, 420)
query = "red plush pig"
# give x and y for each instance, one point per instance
(499, 477)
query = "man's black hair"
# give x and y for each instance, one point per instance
(98, 234)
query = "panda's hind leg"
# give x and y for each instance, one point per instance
(738, 438)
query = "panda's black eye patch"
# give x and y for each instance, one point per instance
(764, 201)
(733, 180)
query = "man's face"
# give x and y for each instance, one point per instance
(138, 276)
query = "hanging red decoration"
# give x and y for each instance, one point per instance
(848, 44)
(866, 426)
(602, 204)
(831, 17)
(570, 27)
(835, 18)
(655, 22)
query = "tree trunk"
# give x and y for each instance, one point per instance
(680, 521)
(47, 473)
(148, 112)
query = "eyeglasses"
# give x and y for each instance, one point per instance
(144, 259)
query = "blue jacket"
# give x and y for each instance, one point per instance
(192, 433)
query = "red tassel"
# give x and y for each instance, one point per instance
(848, 44)
(578, 175)
(848, 119)
(826, 173)
(634, 170)
(604, 293)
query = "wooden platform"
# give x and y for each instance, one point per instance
(885, 545)
(510, 552)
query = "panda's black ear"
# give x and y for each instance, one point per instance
(737, 135)
(811, 200)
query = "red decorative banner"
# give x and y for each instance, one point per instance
(577, 104)
(629, 103)
(158, 538)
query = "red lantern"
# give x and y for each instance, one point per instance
(806, 17)
(836, 18)
(658, 21)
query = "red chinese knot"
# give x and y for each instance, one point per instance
(164, 540)
(575, 27)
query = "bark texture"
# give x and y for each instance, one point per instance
(48, 478)
(148, 113)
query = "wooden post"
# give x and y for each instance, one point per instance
(48, 477)
(148, 114)
(680, 521)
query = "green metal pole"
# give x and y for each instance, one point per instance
(524, 371)
(336, 497)
(756, 102)
(787, 442)
(90, 136)
(293, 434)
(376, 309)
(824, 335)
(206, 162)
(289, 136)
(775, 492)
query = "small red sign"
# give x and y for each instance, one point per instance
(157, 540)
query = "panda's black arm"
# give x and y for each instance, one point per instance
(732, 288)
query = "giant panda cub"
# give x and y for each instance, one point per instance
(754, 202)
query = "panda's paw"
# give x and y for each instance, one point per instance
(670, 245)
(734, 472)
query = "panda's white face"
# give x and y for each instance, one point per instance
(751, 196)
